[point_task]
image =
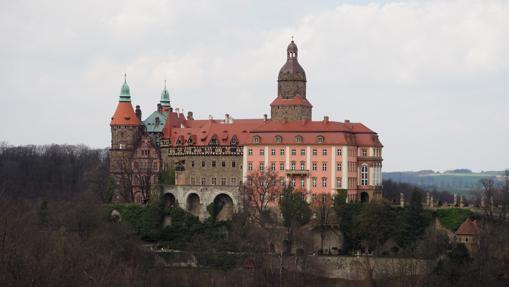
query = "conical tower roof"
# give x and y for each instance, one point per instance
(124, 114)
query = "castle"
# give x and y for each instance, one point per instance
(212, 157)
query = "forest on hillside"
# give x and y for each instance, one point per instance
(56, 230)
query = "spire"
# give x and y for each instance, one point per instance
(125, 94)
(165, 97)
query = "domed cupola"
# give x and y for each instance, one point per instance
(125, 94)
(292, 78)
(291, 103)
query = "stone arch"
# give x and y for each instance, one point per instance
(169, 200)
(193, 204)
(223, 207)
(364, 197)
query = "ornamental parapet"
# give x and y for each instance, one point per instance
(369, 158)
(302, 172)
(205, 151)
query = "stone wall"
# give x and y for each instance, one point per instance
(189, 169)
(359, 268)
(291, 113)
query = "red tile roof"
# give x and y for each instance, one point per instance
(245, 129)
(296, 101)
(469, 227)
(124, 115)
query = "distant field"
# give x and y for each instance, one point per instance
(455, 182)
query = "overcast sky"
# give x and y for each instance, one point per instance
(431, 77)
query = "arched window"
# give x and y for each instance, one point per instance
(279, 139)
(320, 139)
(190, 141)
(364, 175)
(256, 139)
(298, 139)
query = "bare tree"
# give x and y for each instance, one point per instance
(261, 190)
(324, 216)
(488, 193)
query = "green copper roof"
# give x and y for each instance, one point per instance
(125, 94)
(153, 125)
(165, 97)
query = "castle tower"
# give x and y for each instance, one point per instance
(125, 134)
(165, 100)
(291, 103)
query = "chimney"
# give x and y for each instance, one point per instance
(326, 119)
(159, 108)
(265, 117)
(226, 118)
(138, 112)
(347, 121)
(190, 116)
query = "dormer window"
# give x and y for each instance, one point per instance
(278, 139)
(256, 139)
(179, 141)
(320, 139)
(298, 139)
(234, 141)
(213, 140)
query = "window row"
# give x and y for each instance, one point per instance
(215, 163)
(213, 181)
(298, 139)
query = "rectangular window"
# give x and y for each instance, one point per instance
(223, 163)
(293, 182)
(203, 181)
(282, 151)
(294, 152)
(213, 163)
(302, 182)
(281, 166)
(233, 181)
(250, 166)
(338, 166)
(324, 166)
(262, 166)
(313, 182)
(192, 163)
(302, 152)
(338, 182)
(282, 181)
(293, 165)
(324, 151)
(364, 152)
(315, 152)
(202, 163)
(340, 152)
(262, 151)
(273, 166)
(223, 181)
(234, 164)
(273, 151)
(314, 165)
(302, 165)
(213, 181)
(193, 181)
(324, 182)
(250, 151)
